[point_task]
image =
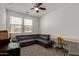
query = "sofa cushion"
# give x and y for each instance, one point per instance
(44, 41)
(27, 42)
(45, 37)
(22, 41)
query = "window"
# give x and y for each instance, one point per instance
(16, 24)
(27, 25)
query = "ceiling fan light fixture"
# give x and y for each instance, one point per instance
(36, 8)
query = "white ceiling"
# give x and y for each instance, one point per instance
(25, 7)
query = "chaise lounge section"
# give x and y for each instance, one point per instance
(41, 39)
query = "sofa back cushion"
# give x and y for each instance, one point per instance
(44, 36)
(33, 36)
(26, 37)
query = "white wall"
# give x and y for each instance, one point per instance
(35, 22)
(2, 18)
(62, 22)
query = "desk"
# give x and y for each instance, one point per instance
(71, 40)
(71, 45)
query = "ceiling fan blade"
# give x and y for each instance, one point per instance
(42, 8)
(38, 4)
(31, 8)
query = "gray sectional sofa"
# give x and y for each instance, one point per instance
(41, 39)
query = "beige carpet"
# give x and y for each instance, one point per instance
(37, 50)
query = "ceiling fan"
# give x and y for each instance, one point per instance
(37, 7)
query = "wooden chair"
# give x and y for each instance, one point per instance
(60, 44)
